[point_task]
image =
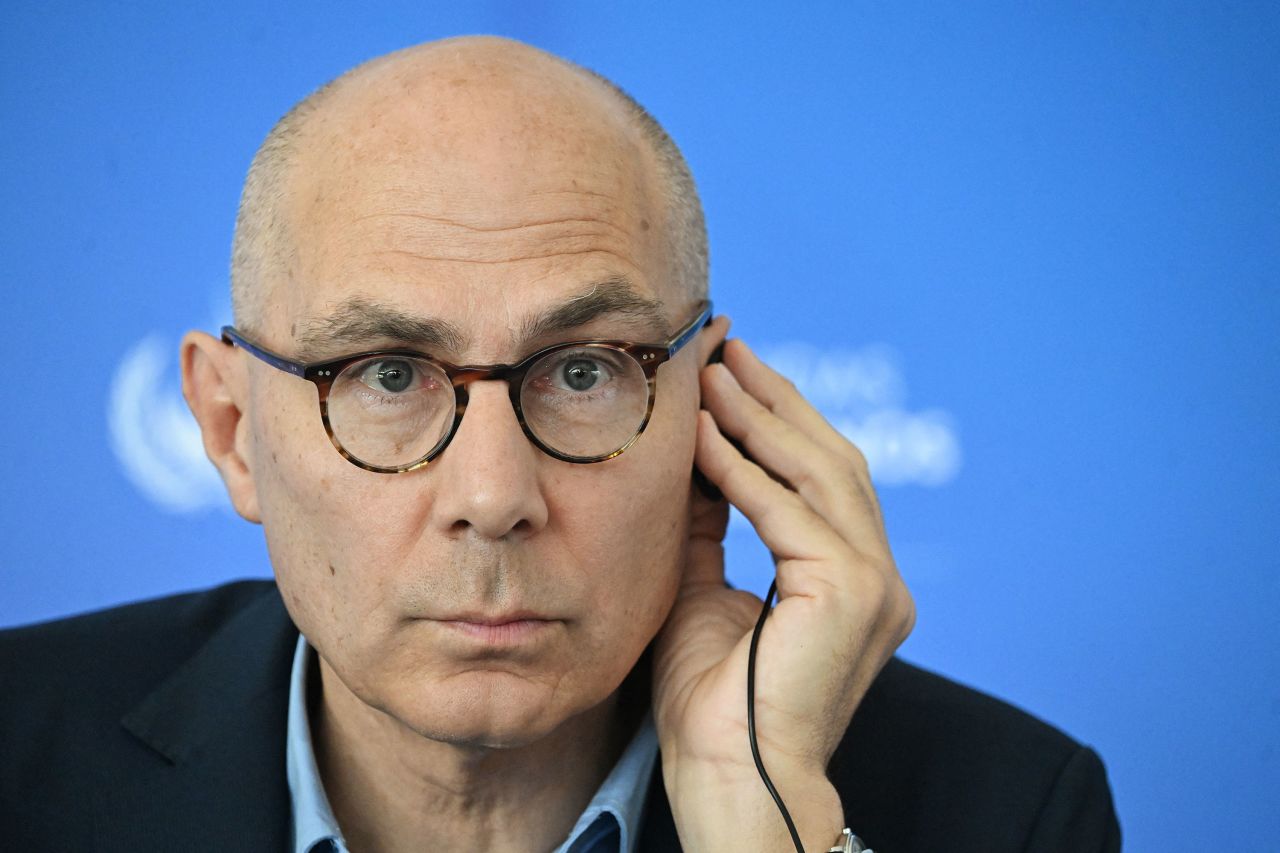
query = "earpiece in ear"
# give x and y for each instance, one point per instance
(717, 354)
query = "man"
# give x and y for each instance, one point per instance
(510, 593)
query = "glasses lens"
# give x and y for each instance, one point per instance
(391, 411)
(585, 401)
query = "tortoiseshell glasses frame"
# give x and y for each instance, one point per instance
(323, 374)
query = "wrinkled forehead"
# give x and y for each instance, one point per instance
(469, 190)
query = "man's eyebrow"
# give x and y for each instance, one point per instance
(612, 296)
(360, 321)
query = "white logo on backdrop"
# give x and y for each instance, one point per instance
(153, 433)
(862, 393)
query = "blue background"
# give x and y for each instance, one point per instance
(1062, 221)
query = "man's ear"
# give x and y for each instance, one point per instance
(214, 385)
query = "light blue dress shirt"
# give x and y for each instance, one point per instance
(610, 823)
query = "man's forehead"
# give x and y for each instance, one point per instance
(486, 170)
(482, 162)
(478, 106)
(359, 321)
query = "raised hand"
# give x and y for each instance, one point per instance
(843, 610)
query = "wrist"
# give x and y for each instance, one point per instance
(720, 807)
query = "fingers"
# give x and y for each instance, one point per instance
(776, 393)
(806, 489)
(780, 396)
(790, 529)
(813, 559)
(792, 441)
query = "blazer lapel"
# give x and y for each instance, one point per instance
(207, 771)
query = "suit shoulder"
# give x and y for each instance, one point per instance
(117, 646)
(71, 684)
(927, 760)
(940, 713)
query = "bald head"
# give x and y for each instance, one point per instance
(471, 124)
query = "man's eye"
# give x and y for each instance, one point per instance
(579, 373)
(391, 376)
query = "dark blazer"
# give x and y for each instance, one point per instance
(160, 726)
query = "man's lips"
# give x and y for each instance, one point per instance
(507, 629)
(503, 618)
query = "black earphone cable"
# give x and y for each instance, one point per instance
(751, 717)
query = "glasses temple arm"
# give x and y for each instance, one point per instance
(231, 336)
(688, 332)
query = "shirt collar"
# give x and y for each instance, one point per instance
(621, 796)
(313, 820)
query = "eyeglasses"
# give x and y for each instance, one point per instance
(393, 411)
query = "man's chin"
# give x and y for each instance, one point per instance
(484, 710)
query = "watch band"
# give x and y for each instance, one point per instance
(849, 843)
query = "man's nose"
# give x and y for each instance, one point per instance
(486, 480)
